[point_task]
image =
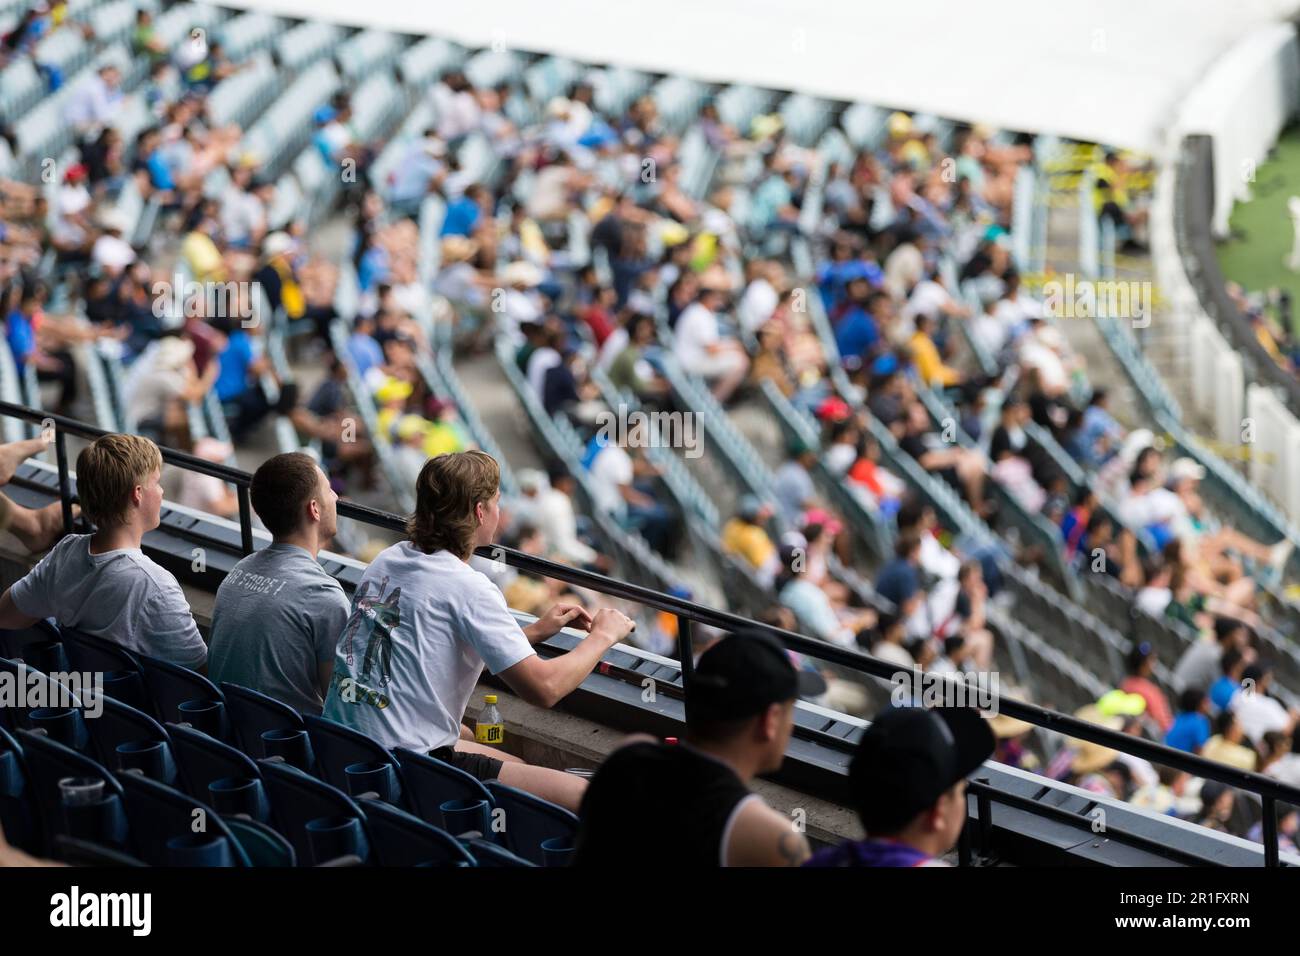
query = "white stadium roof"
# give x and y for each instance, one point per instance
(1111, 71)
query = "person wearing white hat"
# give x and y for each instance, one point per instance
(111, 251)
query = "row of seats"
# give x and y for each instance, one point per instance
(249, 763)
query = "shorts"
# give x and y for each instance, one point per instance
(479, 766)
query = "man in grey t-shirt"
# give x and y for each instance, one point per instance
(279, 614)
(1199, 665)
(102, 583)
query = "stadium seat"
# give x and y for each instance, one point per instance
(263, 846)
(66, 724)
(322, 822)
(126, 738)
(349, 760)
(20, 811)
(48, 761)
(76, 852)
(121, 668)
(487, 853)
(185, 696)
(531, 821)
(401, 839)
(29, 645)
(431, 782)
(217, 773)
(170, 828)
(253, 714)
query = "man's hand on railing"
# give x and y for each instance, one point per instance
(560, 615)
(613, 624)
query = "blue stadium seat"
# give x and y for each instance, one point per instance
(170, 828)
(322, 822)
(531, 821)
(121, 668)
(123, 735)
(217, 773)
(184, 696)
(47, 762)
(76, 852)
(339, 748)
(263, 845)
(431, 782)
(253, 714)
(401, 839)
(20, 812)
(67, 724)
(31, 646)
(487, 853)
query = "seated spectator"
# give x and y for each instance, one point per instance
(813, 606)
(690, 803)
(1256, 711)
(701, 349)
(1232, 667)
(1141, 669)
(889, 638)
(622, 485)
(1191, 728)
(547, 502)
(963, 468)
(1199, 667)
(899, 582)
(929, 363)
(630, 370)
(102, 583)
(908, 784)
(278, 614)
(208, 493)
(1228, 745)
(745, 537)
(429, 624)
(1287, 767)
(793, 484)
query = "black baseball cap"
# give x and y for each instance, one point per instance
(909, 757)
(743, 674)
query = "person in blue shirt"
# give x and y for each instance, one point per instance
(857, 331)
(464, 213)
(1191, 728)
(1222, 690)
(238, 390)
(363, 349)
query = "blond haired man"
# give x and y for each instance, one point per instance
(424, 624)
(102, 583)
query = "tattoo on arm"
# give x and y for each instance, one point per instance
(793, 848)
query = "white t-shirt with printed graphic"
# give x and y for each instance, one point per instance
(421, 630)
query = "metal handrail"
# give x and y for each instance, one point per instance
(689, 613)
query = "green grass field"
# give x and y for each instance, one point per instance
(1255, 256)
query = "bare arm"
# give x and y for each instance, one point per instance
(324, 674)
(760, 836)
(10, 617)
(544, 683)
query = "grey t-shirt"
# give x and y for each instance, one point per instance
(1199, 666)
(118, 595)
(278, 615)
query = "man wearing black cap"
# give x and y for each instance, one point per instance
(908, 784)
(689, 804)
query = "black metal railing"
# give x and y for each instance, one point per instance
(1270, 791)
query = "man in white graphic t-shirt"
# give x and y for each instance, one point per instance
(424, 624)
